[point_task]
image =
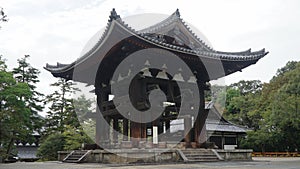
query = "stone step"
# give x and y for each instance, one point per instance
(71, 161)
(203, 160)
(81, 153)
(199, 155)
(190, 151)
(202, 157)
(204, 153)
(75, 156)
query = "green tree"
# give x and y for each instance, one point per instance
(15, 122)
(277, 108)
(243, 103)
(291, 65)
(245, 87)
(25, 73)
(84, 110)
(74, 138)
(62, 111)
(69, 134)
(284, 117)
(50, 146)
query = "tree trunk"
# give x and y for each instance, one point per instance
(9, 148)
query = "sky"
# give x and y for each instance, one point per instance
(57, 30)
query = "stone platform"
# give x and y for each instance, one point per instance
(132, 156)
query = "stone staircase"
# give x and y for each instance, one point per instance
(76, 156)
(199, 155)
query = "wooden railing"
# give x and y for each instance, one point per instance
(275, 154)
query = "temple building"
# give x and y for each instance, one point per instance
(132, 65)
(221, 132)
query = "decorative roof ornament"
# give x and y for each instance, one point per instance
(113, 15)
(177, 13)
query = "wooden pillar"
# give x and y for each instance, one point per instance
(187, 127)
(125, 130)
(160, 127)
(168, 126)
(99, 128)
(108, 131)
(200, 128)
(116, 129)
(166, 122)
(223, 140)
(144, 131)
(135, 133)
(102, 134)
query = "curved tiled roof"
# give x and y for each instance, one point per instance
(175, 17)
(207, 51)
(216, 122)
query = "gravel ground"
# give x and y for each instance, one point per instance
(257, 163)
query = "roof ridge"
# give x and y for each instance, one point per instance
(168, 21)
(194, 35)
(162, 23)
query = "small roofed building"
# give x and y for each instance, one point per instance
(27, 150)
(221, 132)
(167, 56)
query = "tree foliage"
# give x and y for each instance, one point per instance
(50, 146)
(271, 110)
(67, 132)
(15, 122)
(75, 138)
(61, 111)
(25, 73)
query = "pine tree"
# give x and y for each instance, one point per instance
(15, 122)
(62, 111)
(25, 73)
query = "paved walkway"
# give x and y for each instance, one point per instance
(258, 163)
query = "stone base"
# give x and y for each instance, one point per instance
(154, 155)
(236, 154)
(129, 156)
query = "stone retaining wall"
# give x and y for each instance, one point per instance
(236, 154)
(128, 156)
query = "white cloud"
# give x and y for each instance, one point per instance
(52, 31)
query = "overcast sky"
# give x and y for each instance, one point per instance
(56, 30)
